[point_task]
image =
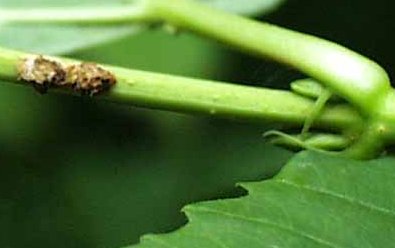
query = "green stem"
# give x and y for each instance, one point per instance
(124, 14)
(348, 74)
(370, 143)
(356, 78)
(160, 91)
(318, 106)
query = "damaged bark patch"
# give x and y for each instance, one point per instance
(42, 73)
(89, 78)
(84, 78)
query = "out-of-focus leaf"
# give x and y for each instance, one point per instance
(101, 175)
(60, 39)
(55, 39)
(316, 201)
(25, 116)
(103, 179)
(190, 55)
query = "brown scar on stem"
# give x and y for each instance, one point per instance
(84, 78)
(89, 78)
(42, 73)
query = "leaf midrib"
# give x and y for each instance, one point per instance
(266, 222)
(363, 204)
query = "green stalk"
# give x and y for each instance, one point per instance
(160, 91)
(356, 78)
(348, 74)
(370, 143)
(111, 15)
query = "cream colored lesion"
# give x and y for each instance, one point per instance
(84, 78)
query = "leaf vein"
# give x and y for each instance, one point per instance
(351, 200)
(267, 223)
(157, 240)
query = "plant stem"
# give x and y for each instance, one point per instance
(124, 14)
(370, 143)
(356, 78)
(348, 74)
(160, 91)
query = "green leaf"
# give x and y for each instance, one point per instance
(55, 39)
(59, 39)
(316, 201)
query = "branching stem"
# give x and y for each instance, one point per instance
(355, 78)
(161, 91)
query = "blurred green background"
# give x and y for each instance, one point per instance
(77, 172)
